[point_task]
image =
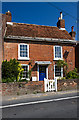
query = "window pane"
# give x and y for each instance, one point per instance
(24, 67)
(21, 47)
(26, 75)
(25, 47)
(20, 54)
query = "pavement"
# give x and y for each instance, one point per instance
(39, 95)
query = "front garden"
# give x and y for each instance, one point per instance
(13, 84)
(12, 71)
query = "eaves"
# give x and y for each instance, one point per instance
(53, 40)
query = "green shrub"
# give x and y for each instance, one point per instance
(23, 80)
(18, 93)
(11, 70)
(7, 80)
(34, 92)
(63, 78)
(72, 74)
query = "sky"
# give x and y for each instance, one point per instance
(43, 13)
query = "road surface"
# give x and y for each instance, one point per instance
(65, 108)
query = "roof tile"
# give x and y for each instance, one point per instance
(31, 30)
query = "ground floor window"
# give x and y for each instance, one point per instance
(58, 71)
(25, 72)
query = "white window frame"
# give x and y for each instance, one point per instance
(61, 72)
(61, 53)
(23, 58)
(28, 70)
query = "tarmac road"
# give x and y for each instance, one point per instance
(54, 107)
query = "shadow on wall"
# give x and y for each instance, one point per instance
(66, 54)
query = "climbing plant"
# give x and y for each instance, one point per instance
(63, 64)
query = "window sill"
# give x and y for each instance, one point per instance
(26, 79)
(23, 58)
(58, 59)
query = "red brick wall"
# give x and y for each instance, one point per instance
(19, 88)
(68, 84)
(40, 52)
(70, 57)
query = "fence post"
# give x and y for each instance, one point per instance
(56, 84)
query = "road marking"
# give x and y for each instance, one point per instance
(43, 101)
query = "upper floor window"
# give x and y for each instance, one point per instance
(23, 51)
(58, 52)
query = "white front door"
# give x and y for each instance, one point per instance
(58, 72)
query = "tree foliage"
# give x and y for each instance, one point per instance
(62, 63)
(11, 70)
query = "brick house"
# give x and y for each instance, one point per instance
(39, 47)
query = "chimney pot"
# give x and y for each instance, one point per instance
(72, 28)
(61, 16)
(8, 11)
(72, 33)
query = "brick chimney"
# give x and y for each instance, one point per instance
(61, 22)
(72, 33)
(8, 16)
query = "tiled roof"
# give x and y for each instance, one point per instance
(32, 30)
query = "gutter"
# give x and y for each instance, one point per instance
(41, 39)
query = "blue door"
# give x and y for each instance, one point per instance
(42, 72)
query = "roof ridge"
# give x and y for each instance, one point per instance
(34, 24)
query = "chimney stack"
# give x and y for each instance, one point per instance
(61, 22)
(72, 33)
(8, 16)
